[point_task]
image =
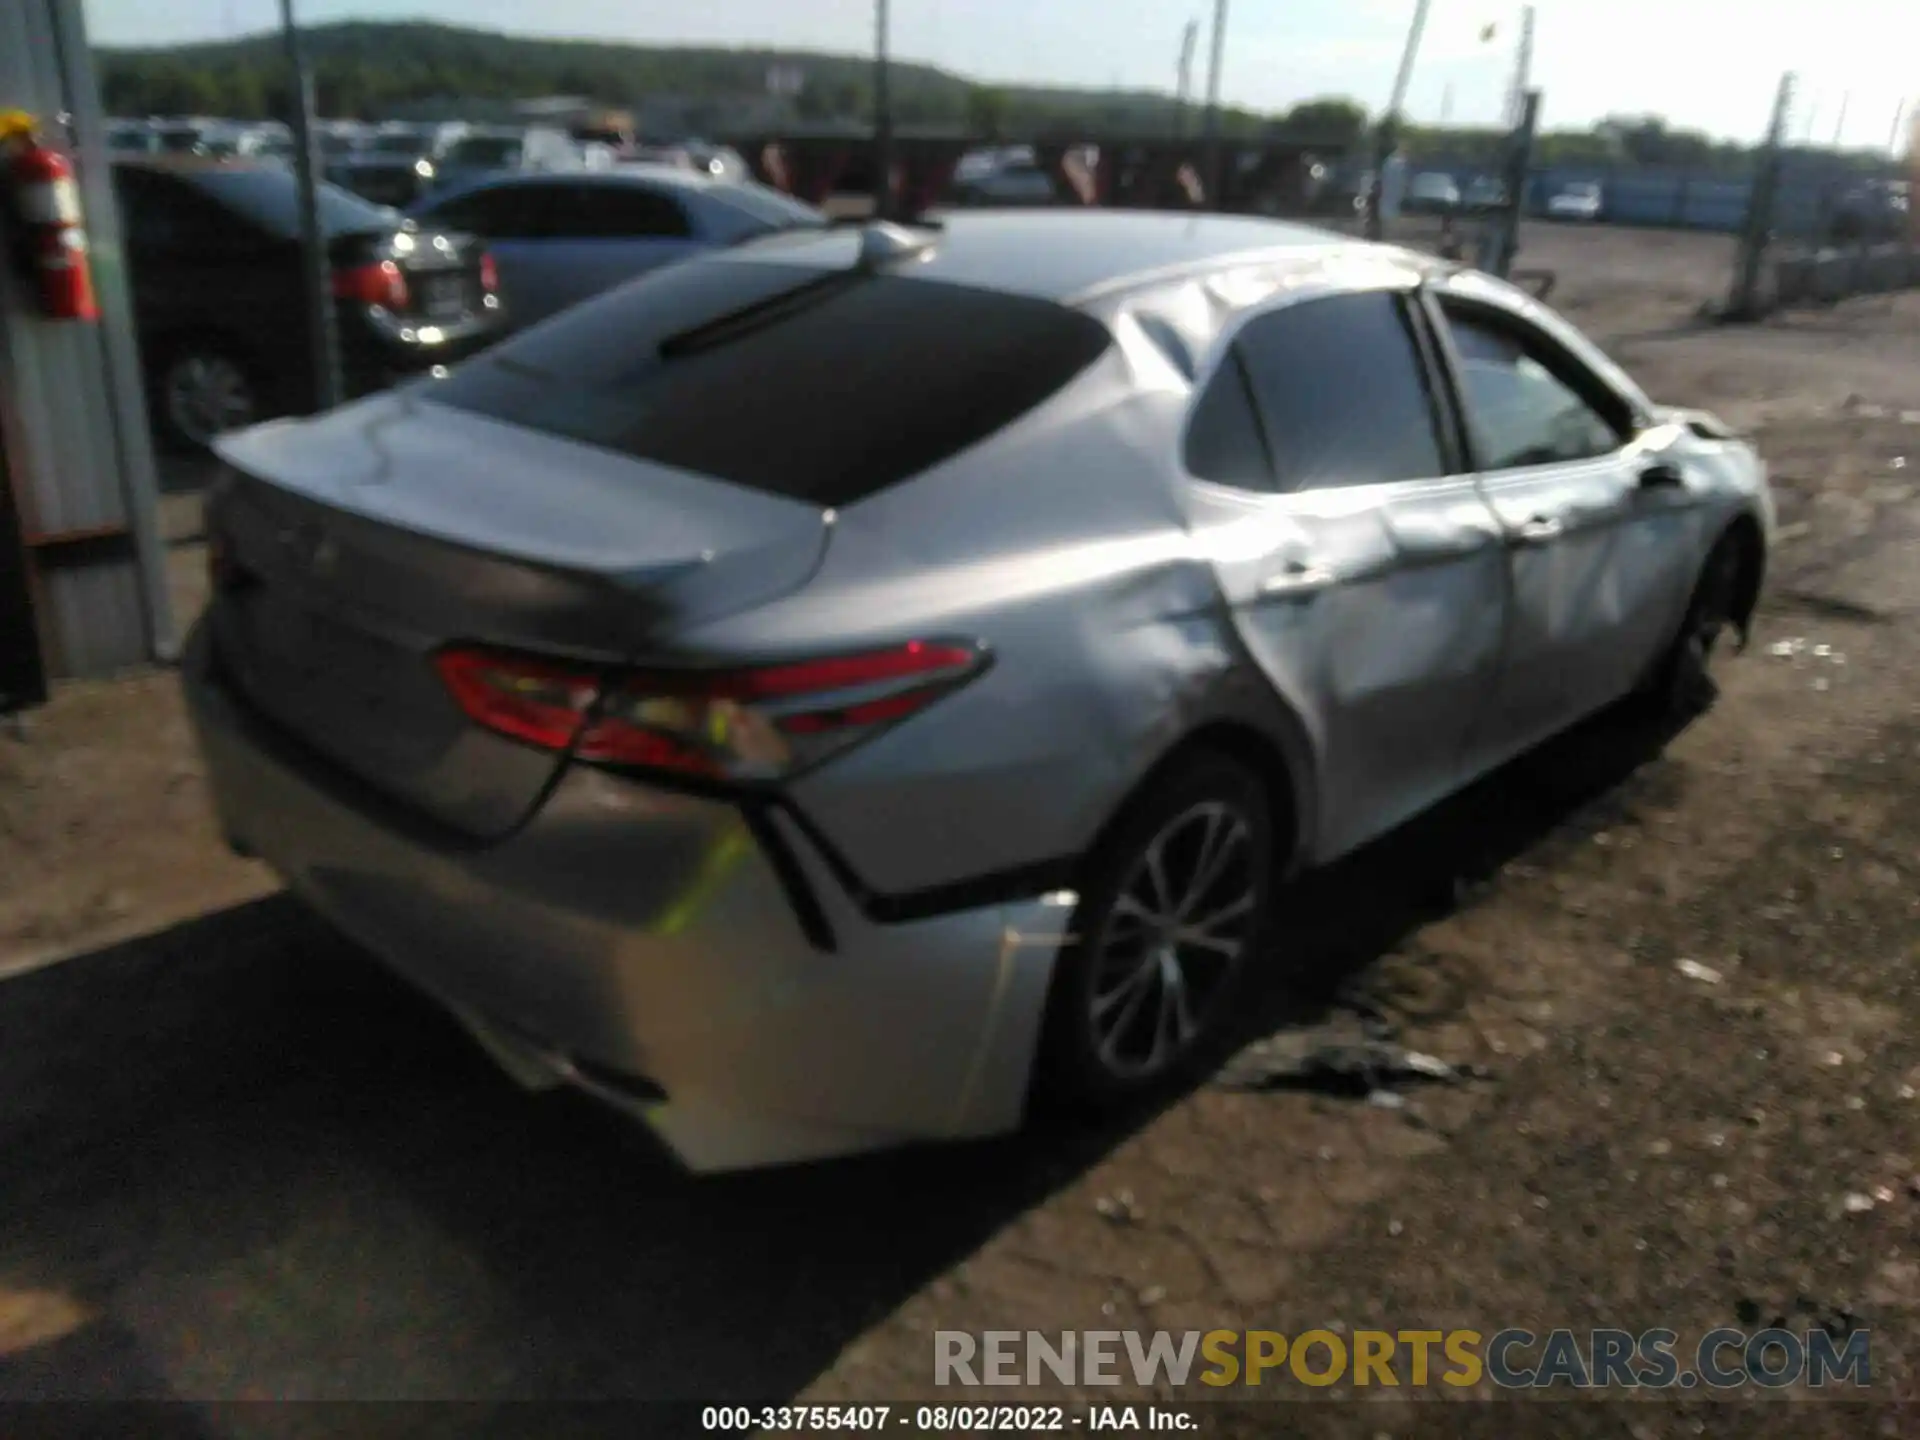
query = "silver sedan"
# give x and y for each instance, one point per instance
(832, 691)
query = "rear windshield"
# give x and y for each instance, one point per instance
(846, 385)
(271, 199)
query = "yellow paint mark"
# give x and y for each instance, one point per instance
(718, 863)
(29, 1318)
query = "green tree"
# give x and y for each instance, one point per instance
(986, 110)
(1330, 121)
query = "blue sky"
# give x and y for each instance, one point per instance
(1707, 64)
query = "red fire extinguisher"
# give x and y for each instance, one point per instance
(43, 199)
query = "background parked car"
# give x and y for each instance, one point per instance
(1579, 201)
(1486, 193)
(1009, 177)
(219, 291)
(1432, 193)
(560, 238)
(395, 165)
(484, 152)
(1876, 212)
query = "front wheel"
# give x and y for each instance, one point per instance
(1169, 922)
(203, 390)
(1683, 683)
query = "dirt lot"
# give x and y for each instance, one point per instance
(237, 1160)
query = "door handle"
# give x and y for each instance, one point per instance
(1539, 530)
(1662, 475)
(1299, 581)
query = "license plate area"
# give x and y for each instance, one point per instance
(443, 297)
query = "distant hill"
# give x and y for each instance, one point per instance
(363, 68)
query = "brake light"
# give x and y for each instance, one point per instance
(381, 284)
(489, 274)
(757, 723)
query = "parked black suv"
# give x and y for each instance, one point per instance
(213, 249)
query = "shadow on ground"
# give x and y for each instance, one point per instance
(265, 1168)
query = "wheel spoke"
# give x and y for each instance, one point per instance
(1224, 836)
(1117, 1031)
(1157, 876)
(1205, 924)
(1134, 982)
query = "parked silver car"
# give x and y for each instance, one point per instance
(821, 693)
(561, 238)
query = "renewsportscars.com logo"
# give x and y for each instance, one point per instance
(1510, 1359)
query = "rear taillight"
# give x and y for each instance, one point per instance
(489, 274)
(757, 723)
(380, 283)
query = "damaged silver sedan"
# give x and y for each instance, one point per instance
(827, 693)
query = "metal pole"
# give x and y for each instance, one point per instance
(1390, 125)
(882, 118)
(1743, 303)
(1522, 71)
(321, 335)
(1211, 128)
(1500, 241)
(1184, 95)
(1840, 125)
(1893, 139)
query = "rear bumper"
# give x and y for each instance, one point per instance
(640, 944)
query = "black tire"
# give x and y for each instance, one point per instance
(1682, 684)
(1092, 1055)
(230, 394)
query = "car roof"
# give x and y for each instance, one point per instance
(628, 174)
(1067, 254)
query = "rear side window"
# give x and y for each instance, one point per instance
(1341, 393)
(818, 385)
(613, 212)
(1224, 443)
(499, 212)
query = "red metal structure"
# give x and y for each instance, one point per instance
(1160, 173)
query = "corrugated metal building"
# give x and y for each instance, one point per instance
(82, 568)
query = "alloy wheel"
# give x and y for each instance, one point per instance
(207, 394)
(1176, 933)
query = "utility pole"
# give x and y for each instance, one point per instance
(1522, 71)
(882, 119)
(1389, 127)
(322, 337)
(1840, 125)
(1446, 106)
(1183, 94)
(1744, 301)
(1211, 127)
(1893, 139)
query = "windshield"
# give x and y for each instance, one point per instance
(502, 150)
(270, 198)
(1583, 192)
(400, 143)
(179, 141)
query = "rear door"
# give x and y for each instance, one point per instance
(196, 266)
(1364, 574)
(1599, 531)
(600, 234)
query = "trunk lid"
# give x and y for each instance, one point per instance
(355, 545)
(442, 271)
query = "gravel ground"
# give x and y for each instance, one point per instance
(237, 1160)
